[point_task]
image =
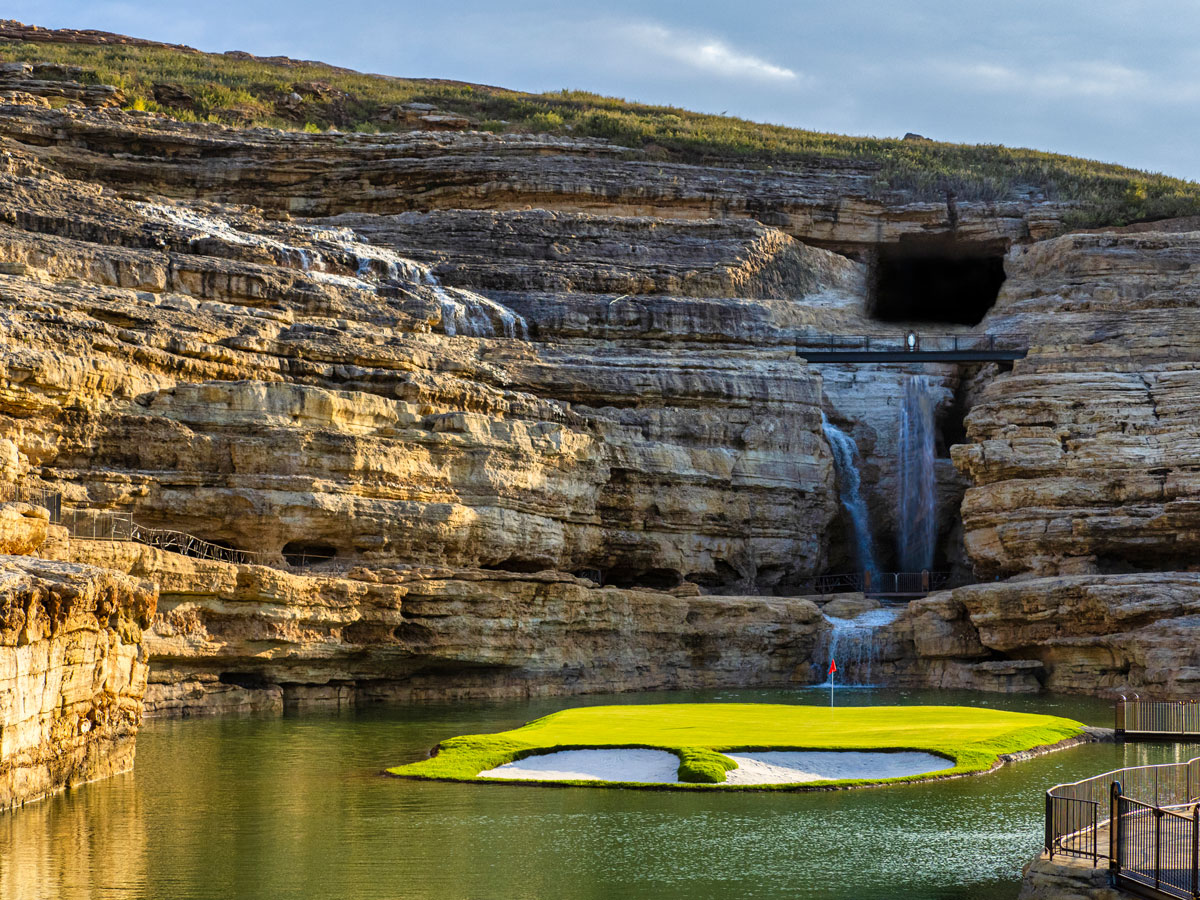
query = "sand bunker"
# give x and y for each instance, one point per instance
(759, 767)
(652, 766)
(793, 766)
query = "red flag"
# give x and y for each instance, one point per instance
(832, 665)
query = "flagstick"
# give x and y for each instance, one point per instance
(832, 675)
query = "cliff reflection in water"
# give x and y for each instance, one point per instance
(295, 807)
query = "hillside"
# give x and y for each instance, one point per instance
(240, 89)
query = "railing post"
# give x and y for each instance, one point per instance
(1196, 851)
(1158, 817)
(1114, 829)
(1049, 825)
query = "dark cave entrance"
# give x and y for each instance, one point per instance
(300, 553)
(936, 279)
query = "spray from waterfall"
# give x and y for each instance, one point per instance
(855, 644)
(916, 532)
(845, 462)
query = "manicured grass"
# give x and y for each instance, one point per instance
(969, 737)
(239, 91)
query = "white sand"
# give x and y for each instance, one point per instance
(765, 767)
(794, 766)
(653, 766)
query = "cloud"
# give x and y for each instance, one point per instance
(704, 54)
(1083, 79)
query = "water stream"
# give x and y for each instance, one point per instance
(916, 526)
(279, 808)
(845, 460)
(854, 644)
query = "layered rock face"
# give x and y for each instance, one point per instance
(72, 674)
(506, 414)
(442, 438)
(252, 637)
(1082, 459)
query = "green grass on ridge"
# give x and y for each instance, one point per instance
(240, 91)
(971, 738)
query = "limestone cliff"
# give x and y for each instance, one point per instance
(489, 414)
(72, 674)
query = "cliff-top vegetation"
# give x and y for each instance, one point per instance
(241, 90)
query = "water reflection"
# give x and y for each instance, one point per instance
(295, 807)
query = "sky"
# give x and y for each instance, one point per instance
(1114, 80)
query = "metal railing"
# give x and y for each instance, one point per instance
(107, 525)
(913, 342)
(1156, 848)
(95, 525)
(1136, 717)
(1076, 810)
(34, 495)
(879, 583)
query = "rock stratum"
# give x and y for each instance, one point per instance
(479, 415)
(72, 667)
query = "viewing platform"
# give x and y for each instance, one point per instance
(913, 347)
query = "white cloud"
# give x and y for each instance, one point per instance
(705, 54)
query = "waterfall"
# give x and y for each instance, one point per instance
(916, 526)
(845, 453)
(853, 643)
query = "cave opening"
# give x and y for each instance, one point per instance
(302, 553)
(517, 565)
(655, 579)
(936, 279)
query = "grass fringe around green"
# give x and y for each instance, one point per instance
(971, 739)
(239, 91)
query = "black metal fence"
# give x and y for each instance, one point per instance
(912, 342)
(879, 583)
(1157, 718)
(1156, 847)
(1144, 819)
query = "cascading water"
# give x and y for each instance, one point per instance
(463, 312)
(845, 453)
(854, 644)
(916, 526)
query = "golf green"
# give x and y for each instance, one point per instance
(970, 739)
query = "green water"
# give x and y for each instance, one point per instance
(295, 807)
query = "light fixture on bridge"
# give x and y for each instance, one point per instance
(911, 343)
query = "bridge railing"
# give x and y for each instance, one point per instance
(913, 342)
(1077, 811)
(875, 583)
(1157, 718)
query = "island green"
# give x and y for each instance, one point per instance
(972, 739)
